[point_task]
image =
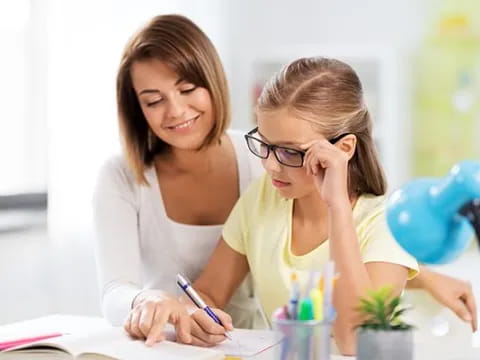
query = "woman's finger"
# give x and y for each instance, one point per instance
(460, 308)
(472, 307)
(183, 329)
(127, 324)
(162, 314)
(134, 326)
(145, 321)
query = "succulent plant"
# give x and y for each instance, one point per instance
(382, 311)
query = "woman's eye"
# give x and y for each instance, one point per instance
(189, 90)
(153, 103)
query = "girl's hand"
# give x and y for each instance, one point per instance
(202, 330)
(329, 166)
(149, 317)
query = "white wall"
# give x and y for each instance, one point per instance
(22, 117)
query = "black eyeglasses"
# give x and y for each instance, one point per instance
(284, 155)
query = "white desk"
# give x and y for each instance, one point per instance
(425, 349)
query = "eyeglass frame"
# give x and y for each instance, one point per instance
(271, 147)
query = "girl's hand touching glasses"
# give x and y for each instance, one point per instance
(329, 167)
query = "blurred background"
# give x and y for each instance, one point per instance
(419, 61)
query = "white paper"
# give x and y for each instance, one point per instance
(249, 342)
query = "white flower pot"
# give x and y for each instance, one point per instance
(384, 345)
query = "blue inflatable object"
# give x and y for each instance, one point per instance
(434, 219)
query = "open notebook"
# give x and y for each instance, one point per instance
(114, 343)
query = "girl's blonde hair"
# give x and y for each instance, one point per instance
(182, 45)
(328, 93)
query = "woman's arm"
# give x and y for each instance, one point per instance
(117, 248)
(222, 275)
(455, 294)
(116, 243)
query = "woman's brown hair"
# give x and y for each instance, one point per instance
(328, 93)
(182, 45)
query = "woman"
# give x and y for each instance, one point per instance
(160, 209)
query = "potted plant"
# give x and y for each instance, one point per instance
(382, 335)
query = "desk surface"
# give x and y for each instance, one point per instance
(435, 348)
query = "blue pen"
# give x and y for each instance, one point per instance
(197, 300)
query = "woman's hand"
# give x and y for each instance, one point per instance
(329, 166)
(202, 330)
(455, 294)
(149, 316)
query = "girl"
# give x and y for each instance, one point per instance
(321, 197)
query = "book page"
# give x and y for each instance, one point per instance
(126, 348)
(244, 342)
(70, 344)
(65, 324)
(114, 343)
(249, 342)
(24, 332)
(35, 354)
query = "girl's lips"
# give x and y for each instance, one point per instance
(279, 184)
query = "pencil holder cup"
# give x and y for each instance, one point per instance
(303, 340)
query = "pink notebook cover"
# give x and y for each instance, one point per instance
(12, 343)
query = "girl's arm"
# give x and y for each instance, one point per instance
(328, 164)
(355, 276)
(222, 275)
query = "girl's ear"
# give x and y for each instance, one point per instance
(348, 145)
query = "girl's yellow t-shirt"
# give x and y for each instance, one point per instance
(260, 227)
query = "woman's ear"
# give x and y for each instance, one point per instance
(348, 145)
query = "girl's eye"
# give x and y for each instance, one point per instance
(290, 152)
